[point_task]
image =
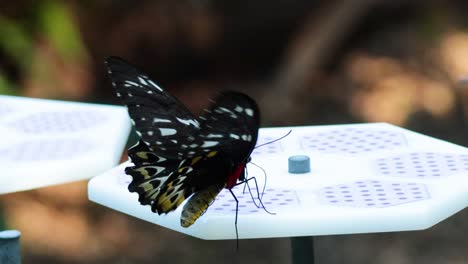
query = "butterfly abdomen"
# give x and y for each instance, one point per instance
(198, 204)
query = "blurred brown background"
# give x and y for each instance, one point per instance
(305, 62)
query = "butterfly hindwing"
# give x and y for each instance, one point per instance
(149, 172)
(192, 176)
(161, 121)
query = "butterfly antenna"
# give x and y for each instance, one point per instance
(273, 141)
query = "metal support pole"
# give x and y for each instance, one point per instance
(9, 247)
(2, 220)
(302, 250)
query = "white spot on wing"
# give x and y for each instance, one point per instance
(214, 136)
(161, 159)
(155, 85)
(142, 81)
(131, 83)
(150, 133)
(238, 109)
(208, 144)
(158, 169)
(249, 111)
(225, 109)
(167, 131)
(160, 120)
(188, 122)
(234, 136)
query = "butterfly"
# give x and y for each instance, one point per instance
(180, 156)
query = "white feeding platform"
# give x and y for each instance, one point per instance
(46, 142)
(363, 178)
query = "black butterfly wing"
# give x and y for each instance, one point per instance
(149, 173)
(229, 130)
(230, 125)
(161, 121)
(178, 155)
(192, 176)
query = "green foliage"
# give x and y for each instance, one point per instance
(50, 21)
(5, 86)
(57, 24)
(18, 45)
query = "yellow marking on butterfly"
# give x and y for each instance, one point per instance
(167, 205)
(146, 186)
(195, 160)
(143, 155)
(143, 172)
(152, 193)
(183, 169)
(212, 153)
(180, 200)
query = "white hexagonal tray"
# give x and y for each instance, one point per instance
(364, 178)
(45, 142)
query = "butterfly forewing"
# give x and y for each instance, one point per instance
(230, 125)
(162, 122)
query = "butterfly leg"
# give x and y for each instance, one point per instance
(235, 221)
(243, 191)
(258, 193)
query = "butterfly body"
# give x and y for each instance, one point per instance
(236, 174)
(180, 156)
